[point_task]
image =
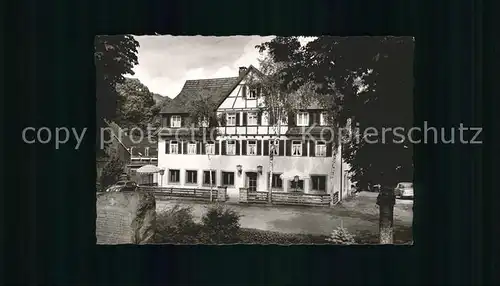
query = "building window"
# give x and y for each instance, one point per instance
(146, 151)
(191, 148)
(206, 178)
(174, 176)
(274, 147)
(252, 118)
(265, 118)
(318, 183)
(277, 181)
(323, 119)
(302, 119)
(210, 149)
(253, 93)
(297, 186)
(191, 177)
(231, 119)
(174, 147)
(203, 122)
(228, 178)
(231, 147)
(296, 148)
(320, 149)
(175, 121)
(252, 147)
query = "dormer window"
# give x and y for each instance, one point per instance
(302, 119)
(175, 121)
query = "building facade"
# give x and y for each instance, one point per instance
(239, 156)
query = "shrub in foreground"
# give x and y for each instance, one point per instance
(177, 225)
(220, 225)
(340, 235)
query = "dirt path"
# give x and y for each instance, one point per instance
(358, 214)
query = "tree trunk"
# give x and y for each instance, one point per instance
(386, 201)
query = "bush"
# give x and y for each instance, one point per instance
(111, 172)
(341, 236)
(220, 225)
(177, 226)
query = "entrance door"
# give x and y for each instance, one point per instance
(251, 182)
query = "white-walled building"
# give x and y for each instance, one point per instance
(239, 156)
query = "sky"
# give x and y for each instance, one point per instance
(166, 62)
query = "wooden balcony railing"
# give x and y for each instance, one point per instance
(285, 198)
(218, 194)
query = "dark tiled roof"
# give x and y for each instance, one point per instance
(214, 89)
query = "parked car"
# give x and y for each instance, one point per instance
(404, 190)
(123, 186)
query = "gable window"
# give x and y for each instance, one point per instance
(191, 177)
(175, 121)
(296, 148)
(318, 183)
(252, 118)
(231, 147)
(210, 149)
(174, 147)
(253, 93)
(206, 178)
(252, 147)
(146, 151)
(297, 186)
(228, 178)
(174, 176)
(320, 149)
(231, 119)
(274, 147)
(191, 148)
(323, 119)
(302, 119)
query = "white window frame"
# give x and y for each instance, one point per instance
(254, 116)
(326, 183)
(170, 176)
(210, 148)
(276, 150)
(175, 121)
(322, 118)
(231, 143)
(222, 179)
(303, 118)
(252, 146)
(176, 144)
(265, 118)
(294, 144)
(191, 148)
(187, 177)
(318, 152)
(203, 122)
(230, 116)
(252, 94)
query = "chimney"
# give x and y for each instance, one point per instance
(242, 70)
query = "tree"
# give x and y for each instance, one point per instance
(367, 80)
(114, 57)
(112, 170)
(136, 105)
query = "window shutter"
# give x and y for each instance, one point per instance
(223, 151)
(167, 146)
(217, 148)
(243, 147)
(198, 148)
(244, 91)
(310, 119)
(316, 116)
(281, 148)
(245, 119)
(238, 118)
(304, 148)
(259, 147)
(266, 147)
(291, 119)
(237, 147)
(312, 149)
(203, 148)
(288, 148)
(328, 149)
(185, 147)
(168, 120)
(259, 118)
